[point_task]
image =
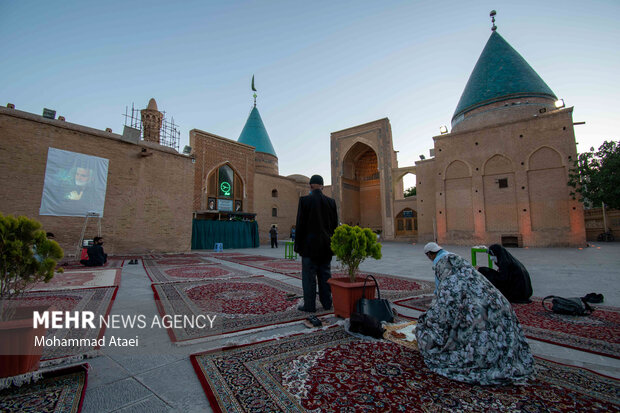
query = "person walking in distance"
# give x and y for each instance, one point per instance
(317, 218)
(273, 235)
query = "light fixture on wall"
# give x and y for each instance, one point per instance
(187, 150)
(443, 129)
(559, 104)
(422, 157)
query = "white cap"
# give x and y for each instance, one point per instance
(431, 247)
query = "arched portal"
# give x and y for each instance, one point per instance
(406, 223)
(361, 188)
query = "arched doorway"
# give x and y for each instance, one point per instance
(406, 223)
(361, 188)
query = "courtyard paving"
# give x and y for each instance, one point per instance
(158, 376)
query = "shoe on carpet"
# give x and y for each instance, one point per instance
(312, 322)
(593, 298)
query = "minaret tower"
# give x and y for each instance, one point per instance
(151, 122)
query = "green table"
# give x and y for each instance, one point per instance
(483, 250)
(289, 250)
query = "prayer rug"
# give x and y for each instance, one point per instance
(277, 265)
(392, 286)
(243, 259)
(238, 304)
(178, 255)
(331, 371)
(66, 341)
(193, 272)
(597, 333)
(176, 261)
(70, 280)
(76, 265)
(58, 391)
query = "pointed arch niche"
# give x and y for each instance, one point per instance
(548, 190)
(225, 189)
(361, 189)
(500, 197)
(459, 207)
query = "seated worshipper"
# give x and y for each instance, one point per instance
(511, 279)
(470, 332)
(96, 256)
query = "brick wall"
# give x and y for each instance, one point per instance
(288, 191)
(148, 198)
(212, 151)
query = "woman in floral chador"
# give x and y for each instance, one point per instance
(470, 333)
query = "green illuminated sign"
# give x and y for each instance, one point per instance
(225, 188)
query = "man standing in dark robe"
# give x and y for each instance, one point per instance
(317, 218)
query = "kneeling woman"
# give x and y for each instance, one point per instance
(511, 278)
(470, 333)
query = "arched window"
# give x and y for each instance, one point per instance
(274, 193)
(224, 190)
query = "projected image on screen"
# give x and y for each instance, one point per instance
(75, 184)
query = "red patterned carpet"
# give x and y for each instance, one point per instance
(597, 333)
(111, 263)
(331, 371)
(176, 261)
(59, 391)
(70, 280)
(193, 272)
(392, 286)
(98, 300)
(238, 304)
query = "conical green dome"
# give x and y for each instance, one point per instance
(255, 134)
(501, 73)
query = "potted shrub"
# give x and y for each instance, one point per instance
(352, 245)
(26, 258)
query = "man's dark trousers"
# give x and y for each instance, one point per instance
(311, 270)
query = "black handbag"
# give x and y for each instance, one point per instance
(379, 308)
(568, 306)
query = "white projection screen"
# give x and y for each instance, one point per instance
(75, 184)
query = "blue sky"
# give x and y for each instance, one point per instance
(320, 66)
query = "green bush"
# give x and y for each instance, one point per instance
(26, 257)
(352, 245)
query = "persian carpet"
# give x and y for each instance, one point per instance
(392, 286)
(277, 265)
(331, 371)
(193, 272)
(175, 261)
(98, 300)
(238, 304)
(58, 391)
(75, 265)
(246, 259)
(70, 280)
(597, 333)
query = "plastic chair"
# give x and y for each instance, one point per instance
(483, 250)
(289, 250)
(219, 247)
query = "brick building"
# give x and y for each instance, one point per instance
(148, 202)
(500, 176)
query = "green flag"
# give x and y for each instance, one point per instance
(253, 88)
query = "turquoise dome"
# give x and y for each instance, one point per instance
(501, 73)
(255, 134)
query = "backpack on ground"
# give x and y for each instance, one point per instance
(568, 306)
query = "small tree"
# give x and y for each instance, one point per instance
(596, 176)
(26, 257)
(410, 192)
(352, 245)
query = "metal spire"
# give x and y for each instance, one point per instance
(254, 89)
(492, 14)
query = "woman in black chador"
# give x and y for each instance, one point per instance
(511, 279)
